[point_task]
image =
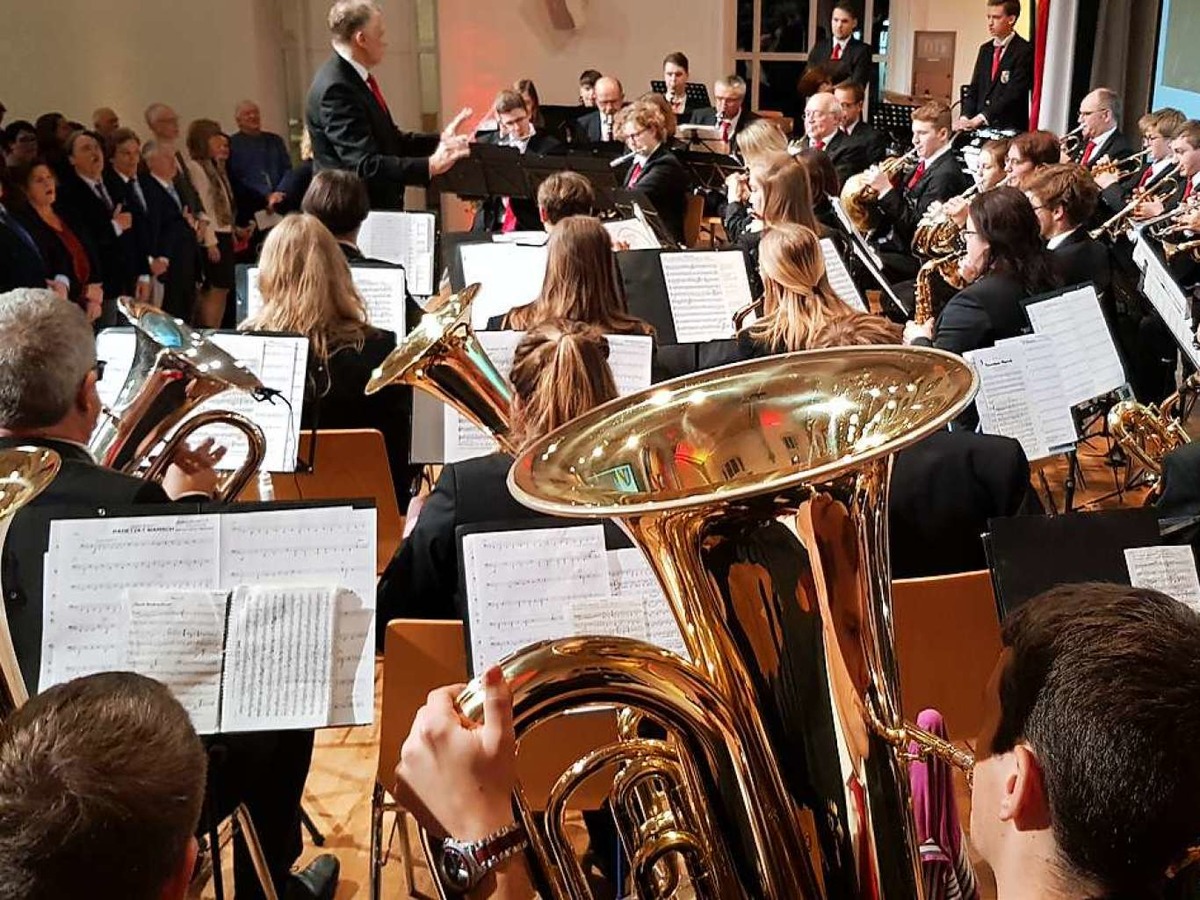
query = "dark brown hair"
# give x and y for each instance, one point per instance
(1005, 219)
(1038, 147)
(566, 194)
(338, 198)
(859, 92)
(678, 59)
(1011, 7)
(101, 783)
(1067, 185)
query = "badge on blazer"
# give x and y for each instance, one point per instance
(1004, 76)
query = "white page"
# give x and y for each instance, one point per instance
(629, 357)
(1087, 355)
(610, 617)
(1165, 295)
(382, 290)
(280, 362)
(633, 234)
(91, 564)
(178, 638)
(1047, 395)
(509, 275)
(530, 238)
(1171, 570)
(521, 584)
(462, 439)
(428, 429)
(1003, 398)
(405, 238)
(631, 578)
(278, 658)
(839, 276)
(705, 290)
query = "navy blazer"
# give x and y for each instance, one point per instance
(21, 265)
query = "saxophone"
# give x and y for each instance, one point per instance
(946, 268)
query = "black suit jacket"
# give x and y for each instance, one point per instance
(349, 130)
(903, 207)
(80, 482)
(421, 581)
(708, 116)
(982, 313)
(665, 182)
(54, 252)
(20, 265)
(491, 211)
(586, 130)
(1116, 146)
(1004, 101)
(133, 259)
(943, 491)
(169, 235)
(78, 203)
(855, 63)
(872, 141)
(1079, 259)
(848, 157)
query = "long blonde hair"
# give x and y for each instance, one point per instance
(798, 301)
(582, 282)
(760, 138)
(560, 371)
(305, 284)
(786, 191)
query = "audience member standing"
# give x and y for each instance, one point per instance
(208, 149)
(171, 229)
(258, 162)
(20, 144)
(164, 125)
(121, 177)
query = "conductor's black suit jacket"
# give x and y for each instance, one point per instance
(1005, 99)
(350, 130)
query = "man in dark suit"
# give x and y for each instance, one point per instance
(655, 171)
(730, 115)
(21, 262)
(872, 142)
(599, 125)
(48, 381)
(1064, 198)
(843, 55)
(163, 123)
(998, 95)
(505, 214)
(349, 121)
(170, 230)
(822, 131)
(121, 178)
(1101, 138)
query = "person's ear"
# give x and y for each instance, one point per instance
(87, 391)
(176, 887)
(1025, 802)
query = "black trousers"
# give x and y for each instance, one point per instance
(266, 771)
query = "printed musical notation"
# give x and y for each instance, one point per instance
(705, 290)
(509, 275)
(1087, 355)
(403, 238)
(1171, 570)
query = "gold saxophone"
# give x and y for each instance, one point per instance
(946, 268)
(1148, 432)
(758, 493)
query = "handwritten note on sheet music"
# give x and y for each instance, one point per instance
(839, 276)
(278, 658)
(705, 290)
(509, 275)
(405, 238)
(177, 637)
(632, 234)
(521, 585)
(631, 578)
(1171, 570)
(1087, 355)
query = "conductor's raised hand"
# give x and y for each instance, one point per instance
(451, 130)
(448, 152)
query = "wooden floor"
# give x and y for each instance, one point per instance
(339, 785)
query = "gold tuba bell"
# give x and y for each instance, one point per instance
(175, 369)
(758, 494)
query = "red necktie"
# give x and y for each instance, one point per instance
(725, 131)
(996, 54)
(1145, 176)
(837, 52)
(374, 86)
(510, 217)
(916, 176)
(635, 173)
(1087, 153)
(867, 886)
(1187, 191)
(819, 145)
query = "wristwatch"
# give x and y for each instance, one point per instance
(465, 863)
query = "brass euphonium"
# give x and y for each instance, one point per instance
(858, 197)
(175, 369)
(758, 493)
(1148, 432)
(442, 357)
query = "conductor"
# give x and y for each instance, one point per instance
(998, 95)
(349, 122)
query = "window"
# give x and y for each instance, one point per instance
(773, 38)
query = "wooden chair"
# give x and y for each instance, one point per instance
(420, 655)
(947, 644)
(350, 464)
(692, 217)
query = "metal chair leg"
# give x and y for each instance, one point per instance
(376, 841)
(314, 833)
(401, 825)
(241, 818)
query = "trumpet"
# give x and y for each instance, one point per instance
(858, 196)
(1160, 191)
(1172, 249)
(1162, 227)
(1071, 141)
(1123, 168)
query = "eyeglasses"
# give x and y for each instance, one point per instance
(968, 232)
(98, 368)
(1084, 113)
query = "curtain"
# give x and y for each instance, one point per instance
(1039, 58)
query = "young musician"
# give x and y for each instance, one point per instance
(1185, 151)
(587, 88)
(998, 95)
(1158, 129)
(560, 371)
(562, 195)
(675, 76)
(859, 134)
(655, 171)
(516, 129)
(992, 164)
(1101, 138)
(1028, 152)
(1064, 197)
(842, 55)
(729, 115)
(756, 142)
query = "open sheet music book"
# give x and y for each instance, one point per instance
(706, 290)
(405, 238)
(381, 287)
(547, 583)
(509, 275)
(1164, 294)
(632, 234)
(1021, 395)
(839, 276)
(279, 360)
(256, 620)
(628, 357)
(1087, 355)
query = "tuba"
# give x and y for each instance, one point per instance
(175, 369)
(758, 493)
(858, 197)
(442, 357)
(1148, 432)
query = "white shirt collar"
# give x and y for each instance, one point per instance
(642, 158)
(91, 182)
(1006, 41)
(849, 128)
(362, 70)
(1101, 140)
(929, 162)
(168, 186)
(842, 42)
(1196, 181)
(520, 143)
(1157, 167)
(1059, 239)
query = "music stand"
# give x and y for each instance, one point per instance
(866, 256)
(696, 93)
(895, 119)
(560, 120)
(503, 170)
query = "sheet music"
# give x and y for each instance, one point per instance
(1047, 393)
(1171, 570)
(405, 238)
(631, 578)
(278, 658)
(839, 276)
(530, 238)
(178, 638)
(1164, 294)
(280, 361)
(705, 290)
(381, 288)
(609, 616)
(1087, 355)
(521, 584)
(632, 234)
(509, 275)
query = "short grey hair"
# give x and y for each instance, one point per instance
(348, 17)
(1110, 99)
(46, 350)
(733, 83)
(152, 147)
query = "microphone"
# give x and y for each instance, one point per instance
(621, 160)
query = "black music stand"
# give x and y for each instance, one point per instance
(696, 93)
(895, 119)
(503, 170)
(560, 120)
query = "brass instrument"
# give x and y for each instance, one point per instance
(1172, 249)
(758, 493)
(937, 234)
(175, 369)
(1125, 167)
(1169, 223)
(24, 473)
(1161, 191)
(1071, 142)
(1148, 432)
(442, 357)
(948, 269)
(858, 196)
(753, 308)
